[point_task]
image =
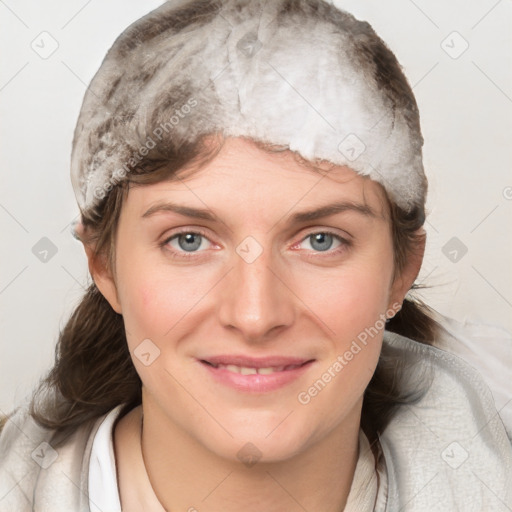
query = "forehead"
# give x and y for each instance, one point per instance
(243, 173)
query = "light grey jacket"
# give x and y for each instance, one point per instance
(449, 451)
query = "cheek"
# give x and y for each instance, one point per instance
(159, 301)
(152, 306)
(351, 307)
(349, 298)
(157, 308)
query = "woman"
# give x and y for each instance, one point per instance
(252, 197)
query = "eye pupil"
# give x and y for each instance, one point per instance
(190, 244)
(324, 239)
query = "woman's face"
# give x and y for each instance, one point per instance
(257, 262)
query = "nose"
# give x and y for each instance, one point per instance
(256, 300)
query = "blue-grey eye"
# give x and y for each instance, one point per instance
(321, 241)
(189, 241)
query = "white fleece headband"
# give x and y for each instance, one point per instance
(301, 73)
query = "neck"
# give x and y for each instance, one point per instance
(185, 475)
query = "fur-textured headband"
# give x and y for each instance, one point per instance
(299, 73)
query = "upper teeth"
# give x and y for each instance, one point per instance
(244, 370)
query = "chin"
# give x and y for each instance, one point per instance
(263, 442)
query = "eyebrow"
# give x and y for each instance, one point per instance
(300, 217)
(186, 211)
(333, 209)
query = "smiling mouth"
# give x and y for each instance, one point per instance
(247, 370)
(253, 375)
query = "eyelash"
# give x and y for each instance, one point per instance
(182, 254)
(345, 244)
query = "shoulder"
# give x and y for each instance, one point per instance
(488, 349)
(39, 465)
(451, 441)
(479, 356)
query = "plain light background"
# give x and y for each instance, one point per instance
(456, 55)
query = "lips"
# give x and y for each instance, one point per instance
(255, 362)
(248, 370)
(258, 375)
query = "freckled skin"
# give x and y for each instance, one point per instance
(282, 303)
